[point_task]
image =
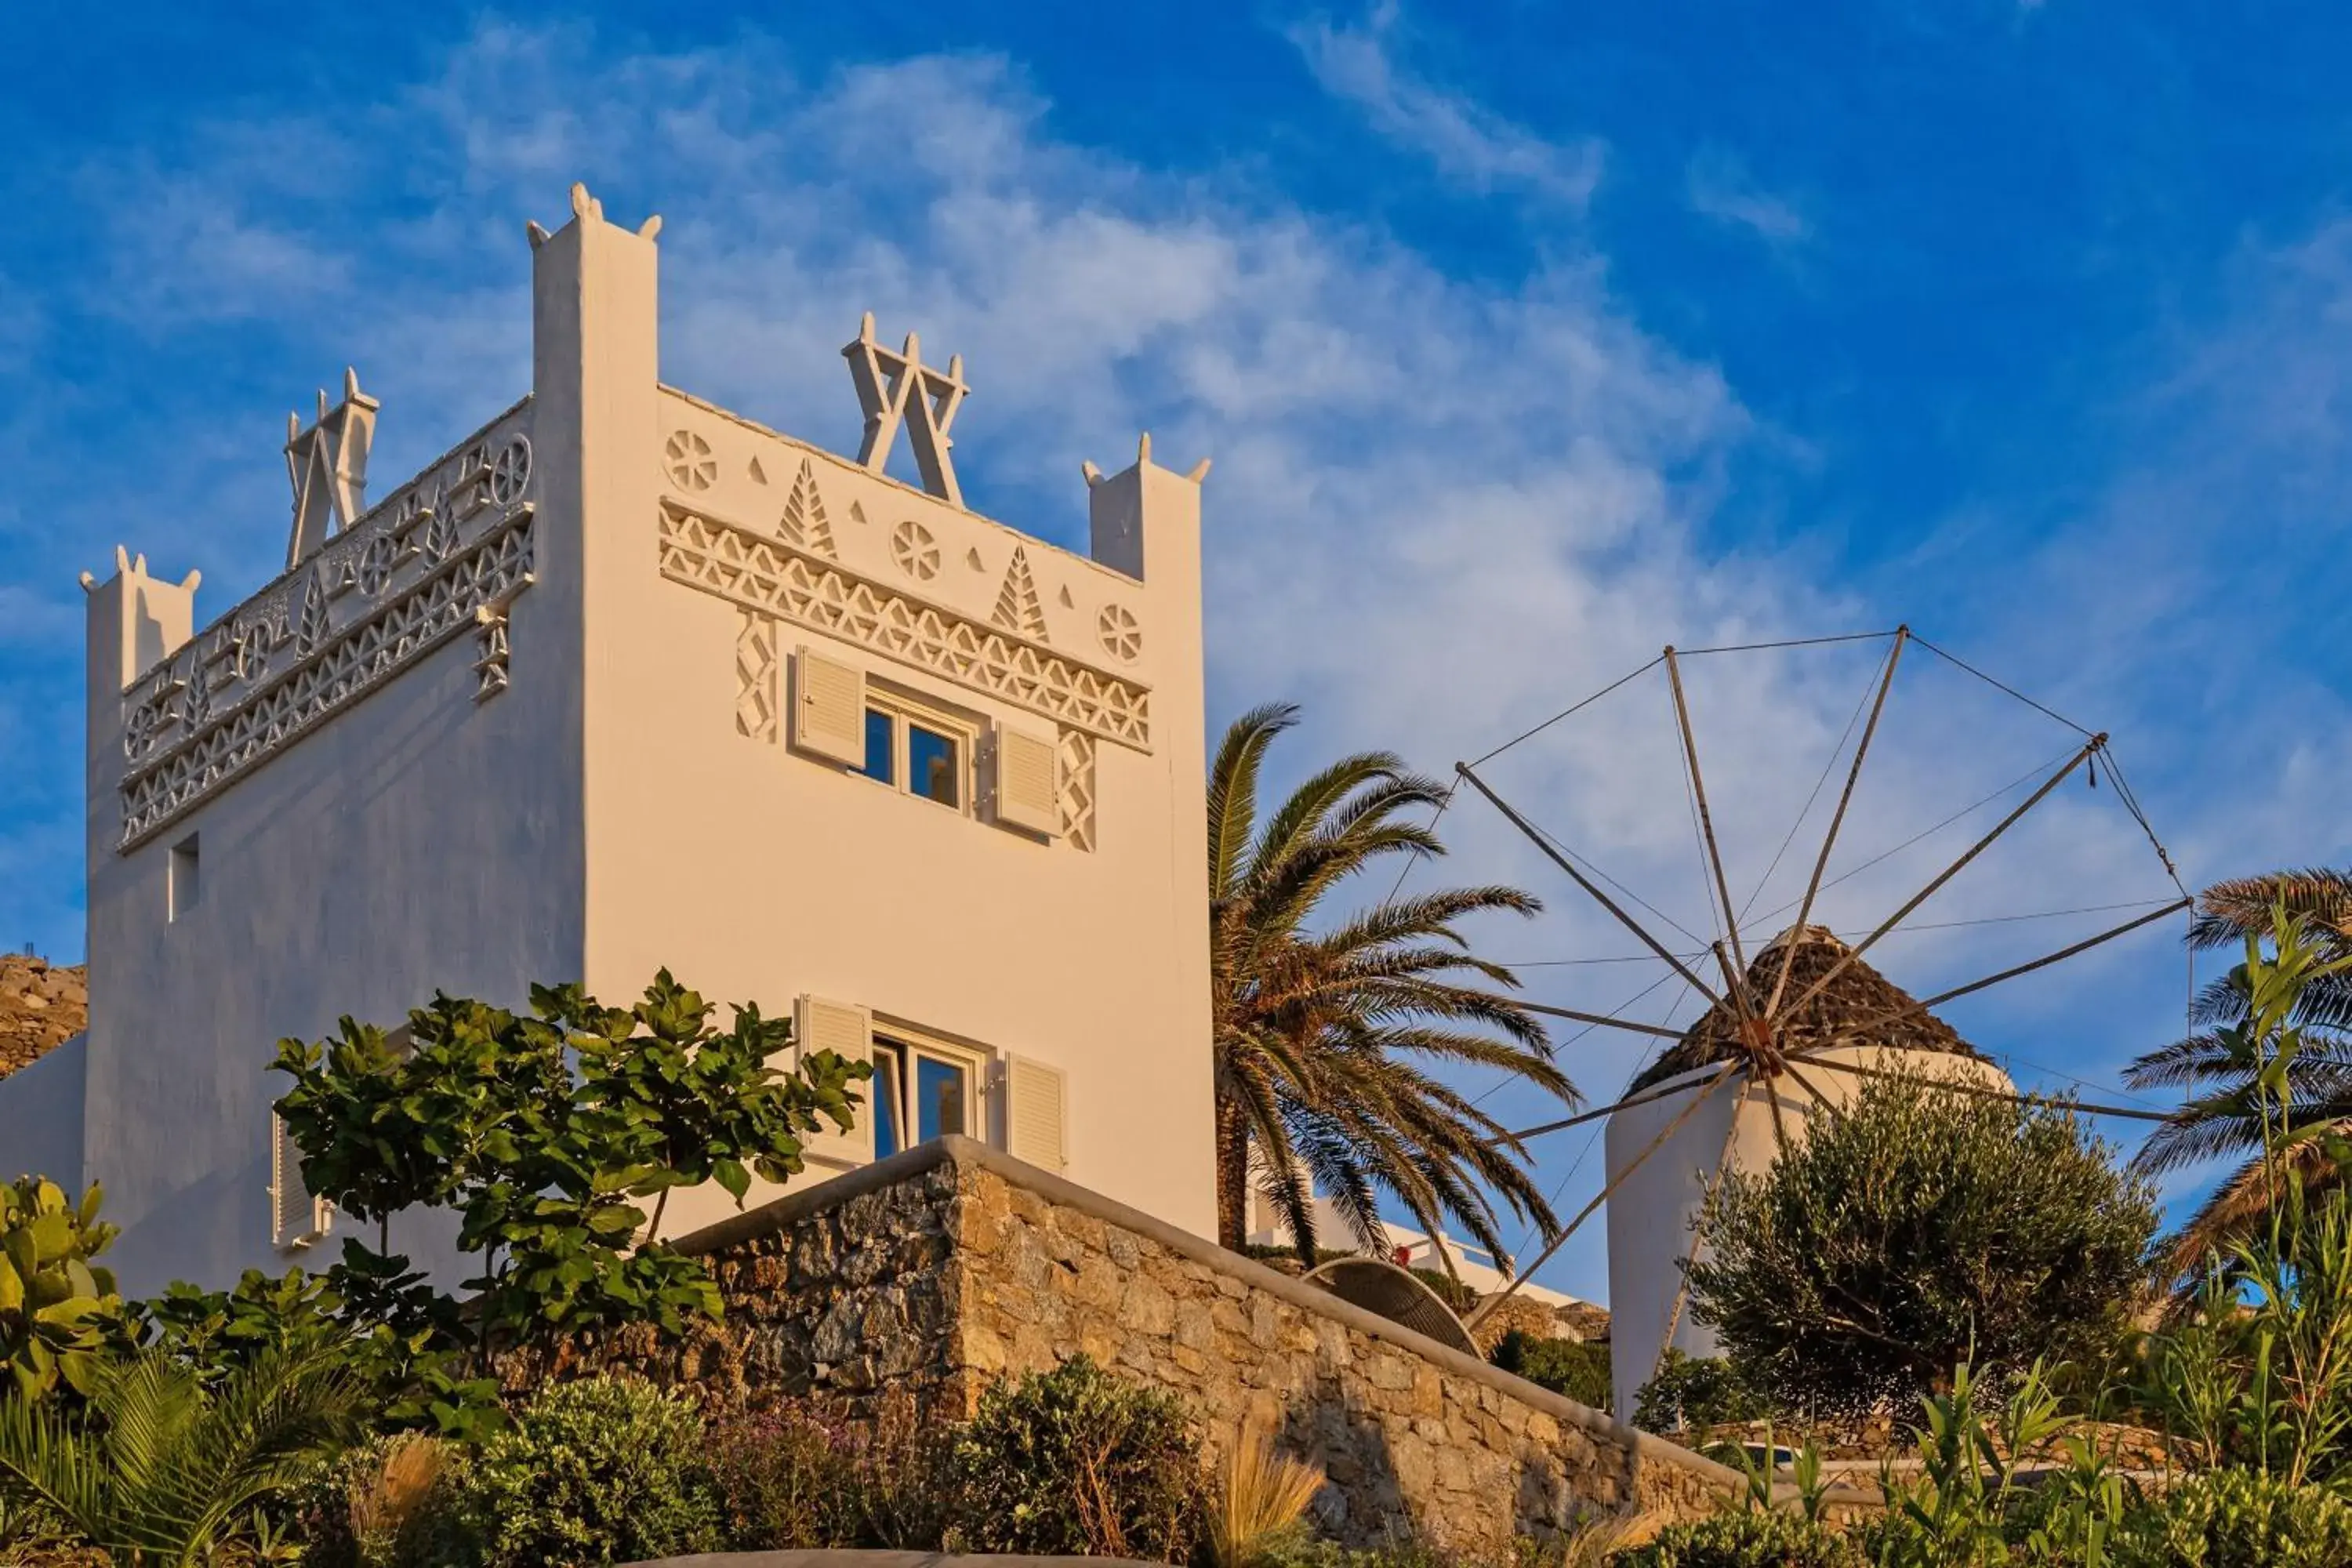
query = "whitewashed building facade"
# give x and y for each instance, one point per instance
(626, 680)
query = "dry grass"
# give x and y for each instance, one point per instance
(384, 1501)
(1262, 1499)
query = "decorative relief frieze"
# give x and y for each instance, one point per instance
(406, 577)
(1116, 629)
(756, 668)
(1077, 787)
(758, 572)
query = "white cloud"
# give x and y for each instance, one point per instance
(1718, 185)
(1460, 136)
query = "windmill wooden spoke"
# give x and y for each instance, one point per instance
(1698, 1098)
(1982, 1091)
(1663, 1091)
(1828, 1105)
(1950, 871)
(1601, 1020)
(1857, 1032)
(1581, 881)
(1837, 818)
(1779, 1127)
(1706, 818)
(1755, 1038)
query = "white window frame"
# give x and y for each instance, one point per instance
(911, 1044)
(903, 710)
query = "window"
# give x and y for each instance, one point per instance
(181, 883)
(922, 753)
(922, 1090)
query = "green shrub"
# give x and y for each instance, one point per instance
(1696, 1391)
(1749, 1540)
(2237, 1519)
(1076, 1462)
(54, 1303)
(788, 1480)
(608, 1470)
(1565, 1366)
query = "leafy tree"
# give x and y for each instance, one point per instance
(542, 1131)
(1918, 1228)
(1320, 1035)
(54, 1303)
(1575, 1368)
(157, 1468)
(2270, 1070)
(1698, 1392)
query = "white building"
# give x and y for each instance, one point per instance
(1408, 1248)
(626, 680)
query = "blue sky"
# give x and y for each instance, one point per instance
(1525, 339)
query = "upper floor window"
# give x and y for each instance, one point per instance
(922, 753)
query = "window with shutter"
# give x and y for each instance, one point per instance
(1024, 787)
(1033, 1110)
(829, 709)
(821, 1026)
(296, 1218)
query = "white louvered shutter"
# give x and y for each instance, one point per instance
(1034, 1112)
(829, 709)
(296, 1218)
(821, 1026)
(1026, 782)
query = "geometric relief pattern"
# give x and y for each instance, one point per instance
(1017, 609)
(1077, 791)
(804, 522)
(356, 661)
(755, 677)
(454, 540)
(1119, 635)
(756, 571)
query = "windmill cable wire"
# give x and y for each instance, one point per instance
(1906, 930)
(2000, 685)
(1779, 854)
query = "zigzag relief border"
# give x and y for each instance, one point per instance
(759, 572)
(362, 659)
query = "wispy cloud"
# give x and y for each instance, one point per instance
(1462, 138)
(1718, 185)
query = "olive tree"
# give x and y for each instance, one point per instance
(1918, 1227)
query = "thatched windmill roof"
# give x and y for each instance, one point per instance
(1856, 995)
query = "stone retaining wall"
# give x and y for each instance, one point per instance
(944, 1267)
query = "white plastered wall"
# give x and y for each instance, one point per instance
(758, 873)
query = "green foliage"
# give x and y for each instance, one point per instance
(1956, 1510)
(2234, 1518)
(1577, 1370)
(1917, 1228)
(1696, 1391)
(542, 1132)
(1749, 1540)
(791, 1477)
(54, 1302)
(606, 1470)
(157, 1468)
(2269, 1072)
(1323, 1028)
(403, 1341)
(1077, 1462)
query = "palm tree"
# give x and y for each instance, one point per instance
(2222, 1063)
(1325, 1035)
(159, 1469)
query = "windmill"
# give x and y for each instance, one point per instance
(1788, 1031)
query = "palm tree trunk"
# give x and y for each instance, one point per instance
(1233, 1176)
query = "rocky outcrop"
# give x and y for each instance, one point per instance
(41, 1007)
(940, 1269)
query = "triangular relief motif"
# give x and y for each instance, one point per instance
(1017, 609)
(804, 522)
(313, 628)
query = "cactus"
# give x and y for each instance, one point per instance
(55, 1303)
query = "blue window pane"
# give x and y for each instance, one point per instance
(878, 748)
(939, 1099)
(931, 767)
(882, 1094)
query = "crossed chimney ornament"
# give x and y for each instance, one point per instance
(895, 388)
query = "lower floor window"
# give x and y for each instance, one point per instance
(920, 1092)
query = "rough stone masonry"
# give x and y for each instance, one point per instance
(938, 1271)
